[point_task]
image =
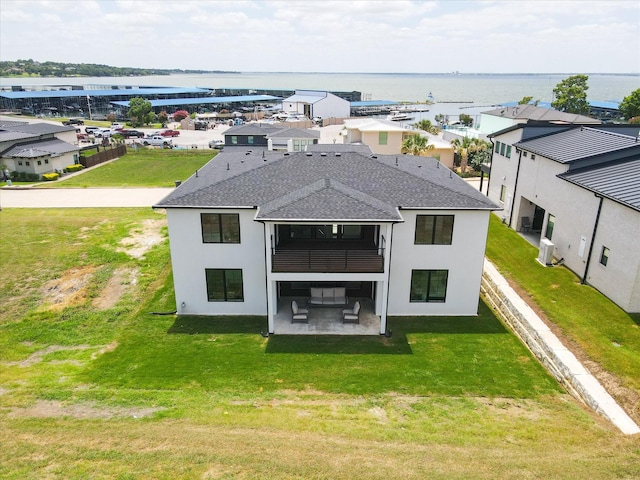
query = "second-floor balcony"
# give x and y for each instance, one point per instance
(330, 260)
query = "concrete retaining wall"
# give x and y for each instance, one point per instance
(550, 351)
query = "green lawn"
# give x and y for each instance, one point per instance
(607, 334)
(113, 391)
(142, 168)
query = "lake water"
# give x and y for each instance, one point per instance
(460, 88)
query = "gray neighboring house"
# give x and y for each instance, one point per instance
(37, 148)
(274, 137)
(575, 190)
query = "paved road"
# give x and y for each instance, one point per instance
(81, 197)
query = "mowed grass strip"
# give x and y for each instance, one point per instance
(140, 168)
(119, 392)
(607, 334)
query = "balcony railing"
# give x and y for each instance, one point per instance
(328, 260)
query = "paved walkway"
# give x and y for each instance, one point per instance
(80, 197)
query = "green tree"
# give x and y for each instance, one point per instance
(140, 111)
(163, 117)
(416, 144)
(427, 126)
(571, 95)
(466, 120)
(630, 105)
(465, 148)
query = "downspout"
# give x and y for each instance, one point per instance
(489, 176)
(593, 240)
(515, 187)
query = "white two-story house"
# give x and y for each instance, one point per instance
(251, 230)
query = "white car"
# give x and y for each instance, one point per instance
(102, 133)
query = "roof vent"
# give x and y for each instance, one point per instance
(286, 154)
(323, 154)
(374, 156)
(338, 154)
(248, 153)
(309, 154)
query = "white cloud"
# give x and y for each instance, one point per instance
(349, 36)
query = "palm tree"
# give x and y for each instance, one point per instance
(417, 145)
(466, 147)
(427, 126)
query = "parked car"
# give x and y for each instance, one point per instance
(217, 144)
(102, 133)
(91, 129)
(116, 126)
(131, 133)
(157, 141)
(170, 133)
(74, 121)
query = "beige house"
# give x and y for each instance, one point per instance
(385, 137)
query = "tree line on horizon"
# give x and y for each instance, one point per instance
(30, 67)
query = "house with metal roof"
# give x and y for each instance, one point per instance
(37, 148)
(271, 136)
(253, 231)
(575, 192)
(312, 103)
(503, 117)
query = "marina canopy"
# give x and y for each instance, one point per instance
(206, 100)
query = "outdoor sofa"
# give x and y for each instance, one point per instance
(328, 296)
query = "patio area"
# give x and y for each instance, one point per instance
(326, 320)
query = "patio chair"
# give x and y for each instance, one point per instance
(525, 225)
(298, 314)
(351, 315)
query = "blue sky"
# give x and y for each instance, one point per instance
(499, 36)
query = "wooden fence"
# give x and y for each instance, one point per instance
(104, 154)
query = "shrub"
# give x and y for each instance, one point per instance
(180, 115)
(24, 177)
(73, 168)
(50, 177)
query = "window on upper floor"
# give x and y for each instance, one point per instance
(234, 140)
(508, 151)
(497, 148)
(503, 193)
(382, 138)
(224, 285)
(250, 139)
(220, 227)
(429, 285)
(434, 229)
(503, 149)
(604, 256)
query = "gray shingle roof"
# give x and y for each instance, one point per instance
(295, 133)
(39, 128)
(579, 143)
(40, 148)
(309, 186)
(533, 112)
(252, 129)
(619, 181)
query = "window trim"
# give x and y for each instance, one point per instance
(604, 256)
(503, 192)
(551, 222)
(437, 231)
(383, 138)
(429, 297)
(221, 229)
(225, 284)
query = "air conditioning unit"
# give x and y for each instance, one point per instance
(545, 256)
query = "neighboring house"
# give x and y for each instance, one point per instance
(577, 188)
(292, 139)
(37, 147)
(504, 117)
(312, 103)
(273, 137)
(386, 137)
(251, 230)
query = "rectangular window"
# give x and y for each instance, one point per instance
(429, 285)
(524, 154)
(234, 140)
(533, 157)
(27, 163)
(220, 227)
(434, 229)
(20, 163)
(46, 161)
(503, 148)
(75, 159)
(382, 138)
(39, 162)
(508, 151)
(497, 147)
(604, 256)
(503, 193)
(550, 224)
(250, 139)
(224, 285)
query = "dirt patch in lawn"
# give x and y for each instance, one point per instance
(54, 409)
(142, 239)
(117, 285)
(69, 289)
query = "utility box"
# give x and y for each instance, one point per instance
(545, 255)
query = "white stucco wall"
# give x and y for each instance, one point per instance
(190, 257)
(503, 172)
(463, 259)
